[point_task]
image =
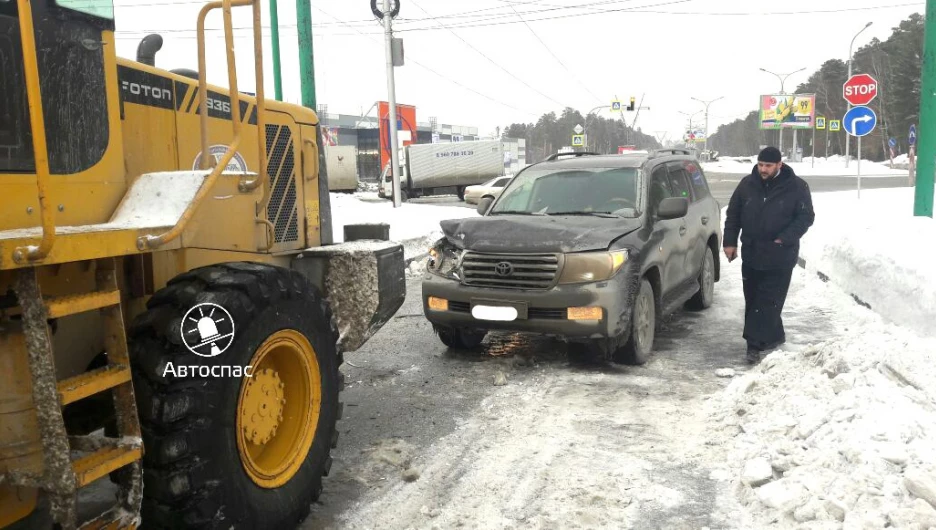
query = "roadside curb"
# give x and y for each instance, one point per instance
(825, 279)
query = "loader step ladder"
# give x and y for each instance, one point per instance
(62, 477)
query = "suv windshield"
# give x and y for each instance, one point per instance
(579, 191)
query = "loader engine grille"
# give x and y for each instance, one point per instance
(510, 271)
(281, 166)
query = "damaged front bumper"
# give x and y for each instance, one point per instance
(538, 311)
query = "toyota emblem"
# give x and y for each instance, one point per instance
(503, 269)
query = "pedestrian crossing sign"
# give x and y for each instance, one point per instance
(835, 125)
(820, 122)
(578, 140)
(615, 106)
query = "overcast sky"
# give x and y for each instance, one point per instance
(490, 63)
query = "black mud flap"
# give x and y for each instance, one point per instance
(364, 282)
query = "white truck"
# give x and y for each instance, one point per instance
(434, 169)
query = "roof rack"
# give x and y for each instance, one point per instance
(571, 153)
(670, 151)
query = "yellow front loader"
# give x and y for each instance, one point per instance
(172, 309)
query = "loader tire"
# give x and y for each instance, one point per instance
(211, 459)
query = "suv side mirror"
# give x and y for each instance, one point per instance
(484, 204)
(673, 208)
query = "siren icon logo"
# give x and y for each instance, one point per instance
(207, 330)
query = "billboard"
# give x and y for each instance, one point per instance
(406, 123)
(331, 136)
(788, 111)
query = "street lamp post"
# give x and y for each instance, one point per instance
(589, 113)
(850, 46)
(707, 103)
(783, 78)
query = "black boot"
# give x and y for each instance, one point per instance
(753, 355)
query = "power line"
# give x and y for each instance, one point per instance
(636, 10)
(437, 73)
(648, 10)
(492, 61)
(370, 23)
(540, 11)
(558, 60)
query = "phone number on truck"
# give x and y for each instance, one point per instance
(454, 153)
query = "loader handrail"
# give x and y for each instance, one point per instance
(204, 160)
(40, 148)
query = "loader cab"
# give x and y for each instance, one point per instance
(74, 39)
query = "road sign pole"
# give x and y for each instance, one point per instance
(859, 167)
(924, 187)
(795, 147)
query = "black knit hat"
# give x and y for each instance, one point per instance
(770, 155)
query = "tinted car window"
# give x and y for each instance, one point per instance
(500, 183)
(659, 187)
(699, 185)
(679, 182)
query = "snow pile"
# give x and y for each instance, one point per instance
(839, 435)
(842, 434)
(415, 226)
(833, 166)
(876, 250)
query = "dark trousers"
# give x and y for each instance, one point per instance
(765, 292)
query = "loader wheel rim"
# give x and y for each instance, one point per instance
(278, 409)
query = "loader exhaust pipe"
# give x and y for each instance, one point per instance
(146, 51)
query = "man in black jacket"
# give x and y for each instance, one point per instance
(771, 209)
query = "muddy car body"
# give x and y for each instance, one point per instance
(592, 248)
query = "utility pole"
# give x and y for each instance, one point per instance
(274, 37)
(707, 103)
(923, 189)
(634, 124)
(850, 46)
(388, 15)
(306, 61)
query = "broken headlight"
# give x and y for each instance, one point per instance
(444, 260)
(592, 266)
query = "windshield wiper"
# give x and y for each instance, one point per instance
(514, 212)
(607, 215)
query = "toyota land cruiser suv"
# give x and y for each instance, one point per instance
(590, 248)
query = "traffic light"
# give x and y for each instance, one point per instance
(631, 106)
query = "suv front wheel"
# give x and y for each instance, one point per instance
(459, 338)
(643, 326)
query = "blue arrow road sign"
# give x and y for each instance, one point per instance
(913, 135)
(859, 121)
(892, 142)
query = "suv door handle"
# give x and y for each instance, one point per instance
(682, 230)
(705, 220)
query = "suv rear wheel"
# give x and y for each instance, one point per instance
(459, 338)
(703, 298)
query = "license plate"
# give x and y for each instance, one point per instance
(497, 313)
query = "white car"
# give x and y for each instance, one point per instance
(491, 188)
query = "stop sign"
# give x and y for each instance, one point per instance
(860, 89)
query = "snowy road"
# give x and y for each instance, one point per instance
(428, 440)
